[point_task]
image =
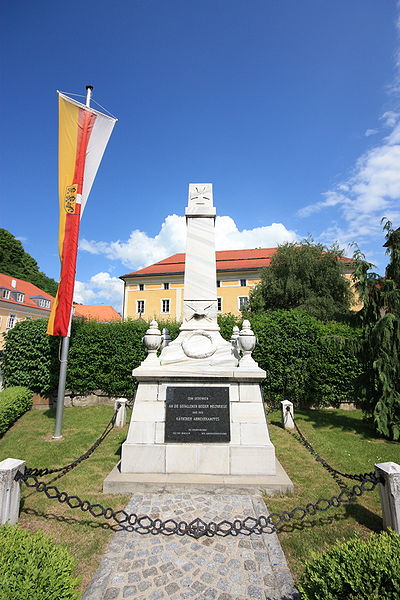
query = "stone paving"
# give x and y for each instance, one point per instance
(160, 567)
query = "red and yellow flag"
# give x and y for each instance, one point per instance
(83, 137)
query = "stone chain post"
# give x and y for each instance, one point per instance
(121, 414)
(287, 419)
(389, 493)
(10, 490)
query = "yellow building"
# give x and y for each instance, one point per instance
(157, 291)
(20, 300)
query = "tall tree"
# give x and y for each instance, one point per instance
(306, 276)
(379, 385)
(14, 261)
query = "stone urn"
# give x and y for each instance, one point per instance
(152, 342)
(247, 342)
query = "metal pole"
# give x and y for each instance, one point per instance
(64, 350)
(61, 388)
(89, 89)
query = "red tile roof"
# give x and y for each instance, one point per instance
(97, 312)
(227, 260)
(23, 287)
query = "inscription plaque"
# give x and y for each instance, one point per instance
(197, 414)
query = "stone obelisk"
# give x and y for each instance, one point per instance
(199, 342)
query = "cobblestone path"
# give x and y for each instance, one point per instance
(159, 567)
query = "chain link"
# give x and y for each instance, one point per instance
(354, 477)
(196, 528)
(41, 472)
(144, 524)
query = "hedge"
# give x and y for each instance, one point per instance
(14, 402)
(303, 361)
(355, 570)
(31, 357)
(32, 567)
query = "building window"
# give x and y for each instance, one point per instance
(44, 303)
(20, 297)
(218, 283)
(6, 294)
(165, 306)
(141, 287)
(166, 286)
(11, 321)
(140, 307)
(243, 283)
(219, 304)
(243, 303)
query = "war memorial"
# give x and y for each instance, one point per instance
(198, 418)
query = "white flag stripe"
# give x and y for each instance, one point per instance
(98, 140)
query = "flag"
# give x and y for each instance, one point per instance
(83, 134)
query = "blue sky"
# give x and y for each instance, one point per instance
(289, 107)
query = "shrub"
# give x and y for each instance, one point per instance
(355, 570)
(31, 357)
(32, 567)
(303, 359)
(102, 356)
(13, 403)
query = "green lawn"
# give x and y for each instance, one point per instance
(342, 437)
(30, 440)
(350, 445)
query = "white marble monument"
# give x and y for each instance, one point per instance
(172, 430)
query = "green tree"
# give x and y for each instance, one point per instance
(14, 261)
(306, 276)
(379, 385)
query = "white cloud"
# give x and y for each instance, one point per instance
(370, 132)
(100, 289)
(369, 193)
(141, 249)
(390, 118)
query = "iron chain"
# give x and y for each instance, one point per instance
(41, 472)
(197, 528)
(357, 477)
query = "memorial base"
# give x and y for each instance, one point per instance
(248, 451)
(130, 483)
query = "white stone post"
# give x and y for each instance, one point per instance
(287, 412)
(121, 414)
(389, 493)
(10, 490)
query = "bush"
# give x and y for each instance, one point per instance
(355, 570)
(102, 356)
(32, 567)
(301, 355)
(13, 403)
(31, 357)
(303, 359)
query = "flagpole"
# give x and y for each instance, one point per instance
(64, 350)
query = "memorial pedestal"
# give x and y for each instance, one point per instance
(224, 405)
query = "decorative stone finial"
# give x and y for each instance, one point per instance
(152, 341)
(235, 342)
(247, 342)
(165, 337)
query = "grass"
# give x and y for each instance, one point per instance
(30, 439)
(341, 437)
(350, 445)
